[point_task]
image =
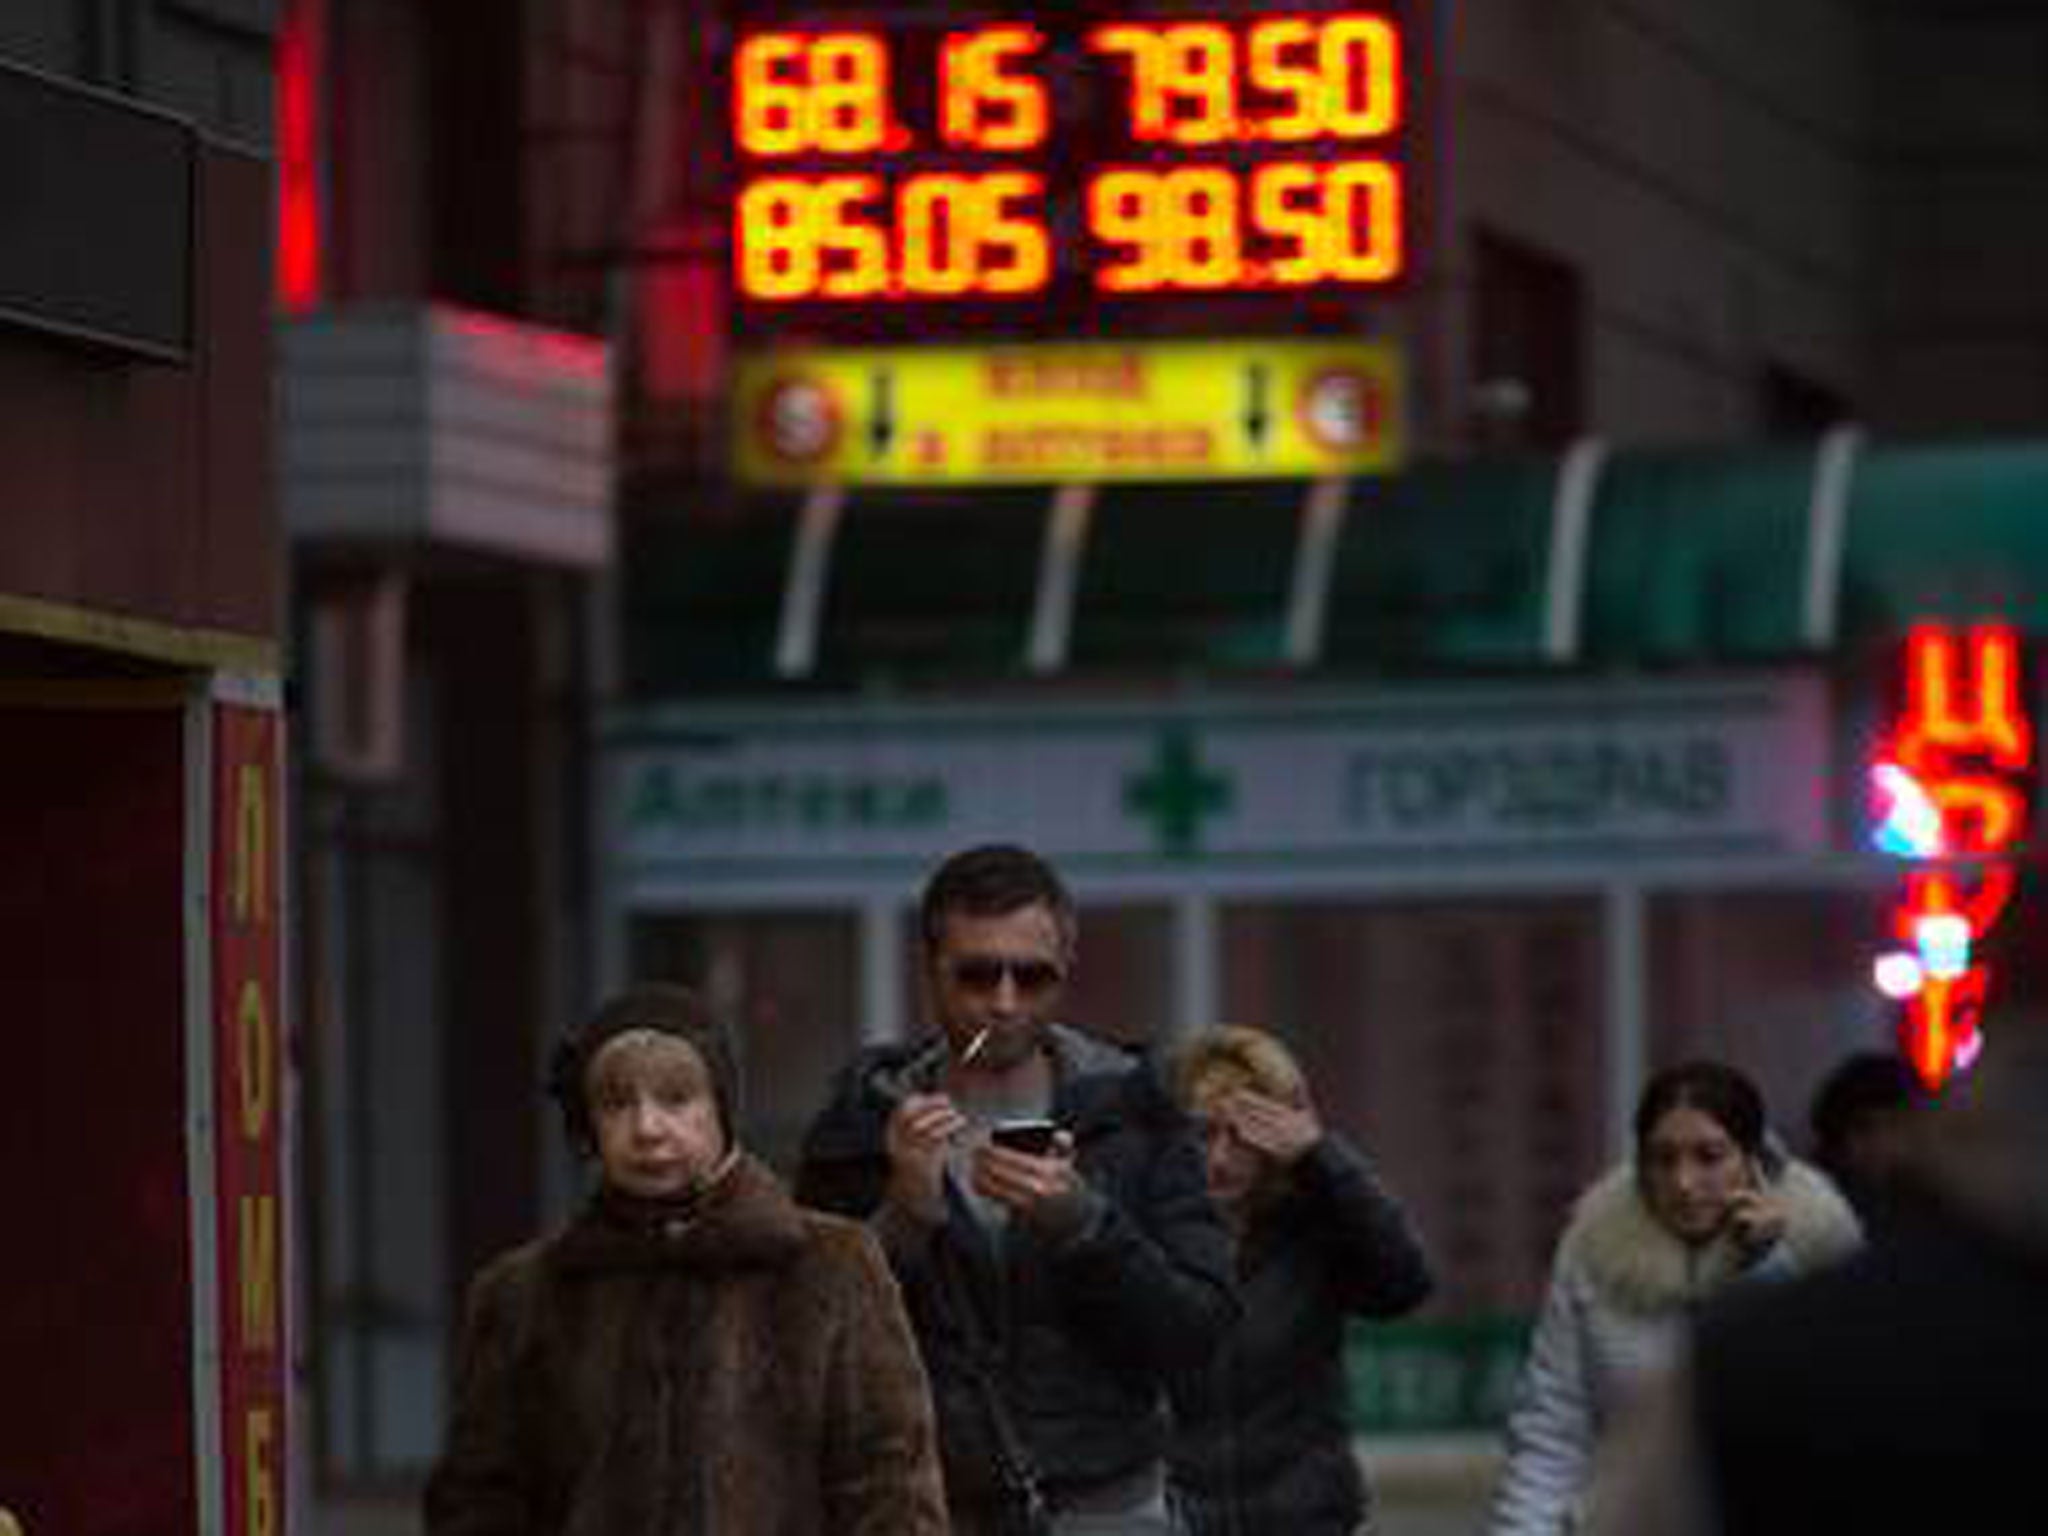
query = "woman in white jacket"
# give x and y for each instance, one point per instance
(1707, 1200)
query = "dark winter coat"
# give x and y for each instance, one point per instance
(1906, 1390)
(1262, 1441)
(745, 1372)
(1078, 1331)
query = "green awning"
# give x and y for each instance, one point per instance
(1186, 576)
(1697, 556)
(1957, 532)
(1631, 559)
(930, 584)
(1442, 569)
(701, 594)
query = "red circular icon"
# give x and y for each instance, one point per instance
(798, 420)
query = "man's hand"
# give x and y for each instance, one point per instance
(1029, 1186)
(1283, 1132)
(920, 1130)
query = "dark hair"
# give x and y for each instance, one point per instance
(665, 1008)
(1865, 1086)
(1714, 1089)
(990, 881)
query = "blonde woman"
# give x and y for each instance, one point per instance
(1261, 1440)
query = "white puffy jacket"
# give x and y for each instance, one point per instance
(1621, 1289)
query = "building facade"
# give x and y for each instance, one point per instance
(1495, 772)
(147, 1335)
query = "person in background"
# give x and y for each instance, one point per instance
(1898, 1392)
(694, 1355)
(1706, 1200)
(1862, 1117)
(1262, 1438)
(1055, 1281)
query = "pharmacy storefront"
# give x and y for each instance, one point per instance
(1478, 911)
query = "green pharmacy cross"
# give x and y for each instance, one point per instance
(1177, 794)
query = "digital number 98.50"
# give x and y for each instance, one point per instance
(931, 236)
(1289, 224)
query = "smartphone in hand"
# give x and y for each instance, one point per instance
(1035, 1135)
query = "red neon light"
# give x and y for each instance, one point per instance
(1980, 900)
(1963, 715)
(1964, 735)
(936, 236)
(299, 277)
(1290, 224)
(1292, 78)
(1941, 1028)
(1963, 699)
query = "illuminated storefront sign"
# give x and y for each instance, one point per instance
(1951, 785)
(1087, 411)
(1025, 159)
(1564, 779)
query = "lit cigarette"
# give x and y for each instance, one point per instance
(974, 1046)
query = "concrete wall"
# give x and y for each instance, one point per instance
(138, 487)
(1959, 165)
(1698, 164)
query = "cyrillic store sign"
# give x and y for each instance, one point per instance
(1576, 776)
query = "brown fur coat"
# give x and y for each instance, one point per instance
(747, 1372)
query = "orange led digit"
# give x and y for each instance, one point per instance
(1287, 207)
(940, 229)
(1180, 228)
(769, 110)
(772, 232)
(963, 234)
(986, 101)
(1123, 210)
(1199, 228)
(1146, 99)
(1364, 206)
(849, 93)
(1017, 249)
(1281, 60)
(853, 253)
(1360, 57)
(1198, 81)
(795, 93)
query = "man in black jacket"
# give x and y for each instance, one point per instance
(1053, 1282)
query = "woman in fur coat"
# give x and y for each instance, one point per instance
(694, 1355)
(1707, 1201)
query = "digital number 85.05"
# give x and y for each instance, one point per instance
(851, 237)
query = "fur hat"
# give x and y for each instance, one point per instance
(666, 1008)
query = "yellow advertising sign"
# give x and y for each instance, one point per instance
(1168, 410)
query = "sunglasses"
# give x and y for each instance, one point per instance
(985, 973)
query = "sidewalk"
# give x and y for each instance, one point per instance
(1428, 1485)
(1431, 1485)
